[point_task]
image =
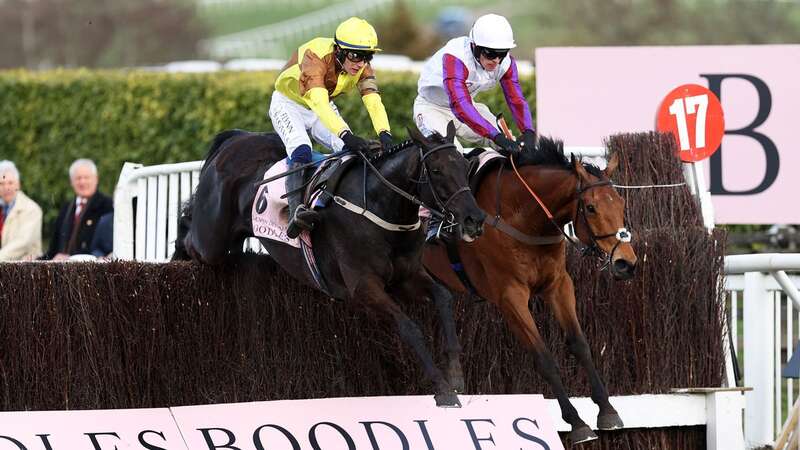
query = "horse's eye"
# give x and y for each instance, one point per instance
(591, 209)
(436, 171)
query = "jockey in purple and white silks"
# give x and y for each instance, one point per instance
(462, 68)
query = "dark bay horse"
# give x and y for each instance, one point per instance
(358, 260)
(508, 272)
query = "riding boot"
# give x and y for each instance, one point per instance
(300, 216)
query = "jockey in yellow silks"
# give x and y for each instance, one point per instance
(320, 70)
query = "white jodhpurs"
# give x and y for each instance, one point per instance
(430, 117)
(293, 123)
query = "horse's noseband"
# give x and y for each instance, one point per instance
(448, 216)
(593, 249)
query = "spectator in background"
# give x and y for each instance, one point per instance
(103, 242)
(20, 218)
(77, 221)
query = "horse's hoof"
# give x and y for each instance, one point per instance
(609, 421)
(456, 377)
(458, 384)
(582, 434)
(448, 400)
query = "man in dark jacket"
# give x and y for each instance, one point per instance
(78, 218)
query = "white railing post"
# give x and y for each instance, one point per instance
(694, 173)
(123, 212)
(723, 419)
(759, 364)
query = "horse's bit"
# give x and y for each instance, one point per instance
(448, 218)
(593, 249)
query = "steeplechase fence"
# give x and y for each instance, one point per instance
(133, 334)
(649, 184)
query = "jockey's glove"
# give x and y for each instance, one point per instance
(386, 139)
(354, 143)
(528, 140)
(507, 146)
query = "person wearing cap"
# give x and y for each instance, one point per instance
(452, 77)
(319, 71)
(464, 67)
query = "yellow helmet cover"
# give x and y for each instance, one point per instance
(356, 34)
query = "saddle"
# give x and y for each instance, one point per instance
(324, 182)
(269, 216)
(482, 161)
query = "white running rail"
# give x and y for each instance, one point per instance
(764, 288)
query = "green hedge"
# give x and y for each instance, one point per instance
(48, 119)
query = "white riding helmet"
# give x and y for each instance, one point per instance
(492, 31)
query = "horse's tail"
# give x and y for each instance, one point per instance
(182, 251)
(184, 223)
(216, 144)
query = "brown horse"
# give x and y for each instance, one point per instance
(508, 272)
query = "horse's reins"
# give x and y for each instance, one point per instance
(424, 178)
(622, 235)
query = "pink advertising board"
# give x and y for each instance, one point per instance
(372, 423)
(585, 94)
(122, 429)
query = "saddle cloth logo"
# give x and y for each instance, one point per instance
(270, 214)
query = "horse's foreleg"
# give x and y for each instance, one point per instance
(422, 285)
(370, 290)
(444, 306)
(514, 305)
(561, 299)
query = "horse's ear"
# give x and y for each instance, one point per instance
(417, 136)
(613, 165)
(577, 165)
(451, 132)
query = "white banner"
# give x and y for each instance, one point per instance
(372, 423)
(368, 423)
(585, 94)
(121, 429)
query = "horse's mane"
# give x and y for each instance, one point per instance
(550, 152)
(216, 145)
(393, 149)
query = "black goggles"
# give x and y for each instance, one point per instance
(358, 56)
(491, 53)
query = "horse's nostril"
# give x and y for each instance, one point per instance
(623, 267)
(473, 226)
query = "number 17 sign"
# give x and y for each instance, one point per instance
(693, 114)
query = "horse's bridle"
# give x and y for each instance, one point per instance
(446, 216)
(593, 249)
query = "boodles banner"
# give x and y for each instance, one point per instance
(379, 423)
(587, 93)
(364, 423)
